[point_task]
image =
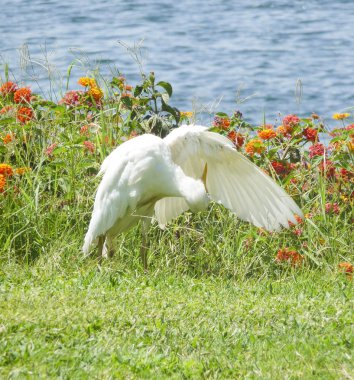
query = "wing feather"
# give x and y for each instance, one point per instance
(232, 179)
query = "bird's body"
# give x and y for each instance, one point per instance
(149, 176)
(135, 176)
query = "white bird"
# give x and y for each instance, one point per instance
(149, 176)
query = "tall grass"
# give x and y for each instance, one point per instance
(216, 302)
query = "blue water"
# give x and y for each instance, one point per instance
(207, 50)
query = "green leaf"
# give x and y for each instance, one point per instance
(171, 110)
(127, 102)
(138, 90)
(222, 114)
(166, 86)
(7, 120)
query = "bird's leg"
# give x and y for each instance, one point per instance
(108, 250)
(101, 240)
(144, 242)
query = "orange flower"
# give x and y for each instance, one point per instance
(96, 93)
(2, 183)
(293, 257)
(267, 133)
(87, 82)
(221, 122)
(84, 130)
(8, 88)
(22, 95)
(128, 87)
(346, 267)
(254, 146)
(285, 131)
(237, 138)
(8, 138)
(126, 95)
(24, 115)
(6, 169)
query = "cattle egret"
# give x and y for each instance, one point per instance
(148, 176)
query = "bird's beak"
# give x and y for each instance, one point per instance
(204, 176)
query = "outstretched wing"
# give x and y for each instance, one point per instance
(231, 179)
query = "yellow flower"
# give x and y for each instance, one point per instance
(21, 171)
(340, 116)
(87, 82)
(187, 114)
(96, 93)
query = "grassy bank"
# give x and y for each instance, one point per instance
(70, 320)
(221, 299)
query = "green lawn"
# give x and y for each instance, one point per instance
(67, 318)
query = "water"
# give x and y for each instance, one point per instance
(207, 50)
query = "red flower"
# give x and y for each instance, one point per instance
(72, 98)
(89, 146)
(317, 149)
(8, 88)
(310, 134)
(346, 174)
(280, 168)
(327, 168)
(293, 257)
(237, 138)
(24, 115)
(332, 208)
(291, 121)
(22, 95)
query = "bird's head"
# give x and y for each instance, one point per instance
(198, 199)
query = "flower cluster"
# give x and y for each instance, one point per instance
(21, 97)
(289, 255)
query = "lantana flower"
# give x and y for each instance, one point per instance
(291, 121)
(254, 146)
(8, 88)
(310, 134)
(22, 95)
(6, 169)
(341, 116)
(237, 138)
(289, 255)
(2, 183)
(24, 114)
(317, 149)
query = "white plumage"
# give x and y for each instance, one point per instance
(149, 176)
